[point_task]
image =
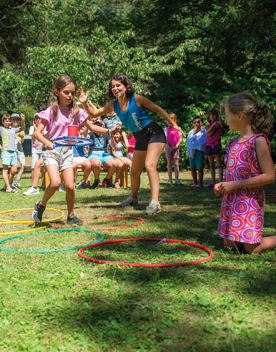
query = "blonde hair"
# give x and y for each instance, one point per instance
(258, 114)
(60, 83)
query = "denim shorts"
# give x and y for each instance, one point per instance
(9, 157)
(102, 156)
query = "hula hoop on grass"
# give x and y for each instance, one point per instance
(5, 222)
(21, 231)
(147, 265)
(49, 250)
(114, 227)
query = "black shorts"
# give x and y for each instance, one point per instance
(152, 133)
(213, 150)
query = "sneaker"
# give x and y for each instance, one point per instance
(153, 208)
(16, 185)
(117, 185)
(32, 190)
(107, 183)
(178, 182)
(95, 184)
(73, 219)
(169, 182)
(38, 212)
(129, 201)
(81, 185)
(194, 185)
(61, 187)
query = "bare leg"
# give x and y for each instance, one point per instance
(110, 165)
(169, 163)
(20, 172)
(5, 173)
(87, 169)
(212, 168)
(68, 177)
(194, 176)
(176, 168)
(36, 172)
(266, 243)
(137, 166)
(200, 177)
(153, 155)
(96, 167)
(12, 173)
(55, 181)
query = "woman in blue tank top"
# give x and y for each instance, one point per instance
(150, 138)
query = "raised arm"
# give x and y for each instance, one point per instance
(22, 116)
(90, 108)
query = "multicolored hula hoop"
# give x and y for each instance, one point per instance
(147, 265)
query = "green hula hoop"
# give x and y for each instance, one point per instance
(50, 250)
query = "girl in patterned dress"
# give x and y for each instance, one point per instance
(249, 167)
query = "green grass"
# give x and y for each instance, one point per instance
(61, 302)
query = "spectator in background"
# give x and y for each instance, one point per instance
(196, 142)
(19, 139)
(131, 145)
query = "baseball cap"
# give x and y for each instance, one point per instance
(99, 122)
(15, 116)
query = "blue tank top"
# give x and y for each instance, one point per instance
(135, 119)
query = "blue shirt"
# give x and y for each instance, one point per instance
(109, 123)
(135, 118)
(78, 151)
(100, 142)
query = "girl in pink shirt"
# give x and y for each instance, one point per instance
(61, 113)
(213, 144)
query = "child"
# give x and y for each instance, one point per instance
(131, 145)
(19, 139)
(33, 190)
(118, 142)
(213, 144)
(99, 158)
(61, 113)
(174, 139)
(8, 156)
(150, 138)
(111, 120)
(196, 145)
(249, 167)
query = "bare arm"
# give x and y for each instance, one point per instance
(267, 177)
(38, 134)
(125, 141)
(148, 104)
(22, 122)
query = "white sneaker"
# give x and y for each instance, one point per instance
(178, 182)
(61, 187)
(129, 201)
(153, 207)
(169, 182)
(31, 191)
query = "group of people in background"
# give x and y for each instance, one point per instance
(248, 161)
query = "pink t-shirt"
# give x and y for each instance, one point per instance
(58, 126)
(132, 141)
(215, 138)
(173, 136)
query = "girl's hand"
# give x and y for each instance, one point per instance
(82, 97)
(179, 129)
(225, 187)
(22, 117)
(49, 145)
(217, 189)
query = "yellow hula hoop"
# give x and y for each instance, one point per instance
(22, 231)
(5, 222)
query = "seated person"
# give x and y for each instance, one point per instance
(111, 120)
(79, 159)
(118, 143)
(99, 158)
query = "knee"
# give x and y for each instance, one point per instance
(150, 167)
(69, 188)
(55, 183)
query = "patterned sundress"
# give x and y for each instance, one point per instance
(242, 211)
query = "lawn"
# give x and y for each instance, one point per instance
(61, 302)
